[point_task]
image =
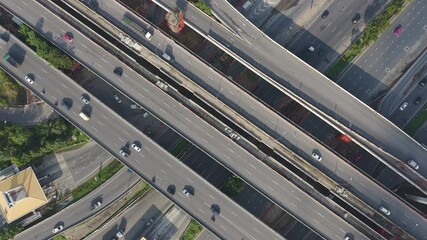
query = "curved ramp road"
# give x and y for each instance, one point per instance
(219, 146)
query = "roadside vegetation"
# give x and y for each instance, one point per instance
(45, 49)
(180, 147)
(371, 33)
(11, 92)
(90, 185)
(193, 229)
(233, 186)
(10, 231)
(22, 145)
(416, 122)
(204, 7)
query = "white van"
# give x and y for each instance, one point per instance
(84, 116)
(148, 35)
(167, 57)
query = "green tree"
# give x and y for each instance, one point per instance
(10, 231)
(233, 185)
(44, 49)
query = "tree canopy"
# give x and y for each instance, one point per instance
(45, 49)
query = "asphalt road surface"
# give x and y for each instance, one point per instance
(370, 192)
(134, 219)
(334, 101)
(376, 70)
(406, 89)
(115, 133)
(219, 146)
(332, 35)
(75, 213)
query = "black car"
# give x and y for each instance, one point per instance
(356, 18)
(65, 104)
(171, 189)
(423, 82)
(118, 71)
(325, 14)
(417, 100)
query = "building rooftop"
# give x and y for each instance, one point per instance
(20, 194)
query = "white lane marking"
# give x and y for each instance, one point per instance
(253, 167)
(248, 171)
(168, 164)
(83, 45)
(103, 59)
(275, 182)
(95, 129)
(190, 180)
(145, 90)
(121, 139)
(104, 116)
(188, 120)
(64, 86)
(297, 198)
(202, 211)
(206, 141)
(163, 171)
(256, 230)
(211, 196)
(148, 149)
(44, 70)
(320, 215)
(100, 123)
(229, 149)
(78, 50)
(125, 132)
(99, 65)
(209, 135)
(233, 213)
(141, 95)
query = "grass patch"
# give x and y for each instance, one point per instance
(193, 229)
(60, 237)
(180, 147)
(204, 7)
(416, 122)
(371, 33)
(96, 181)
(11, 93)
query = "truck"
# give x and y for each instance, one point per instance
(130, 42)
(11, 60)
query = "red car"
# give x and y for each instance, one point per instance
(398, 30)
(68, 37)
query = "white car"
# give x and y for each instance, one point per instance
(123, 153)
(96, 205)
(29, 79)
(403, 106)
(84, 99)
(136, 147)
(385, 210)
(117, 98)
(187, 193)
(58, 228)
(316, 156)
(413, 164)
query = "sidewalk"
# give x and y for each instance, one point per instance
(28, 115)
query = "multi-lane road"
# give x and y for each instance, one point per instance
(112, 133)
(295, 78)
(373, 194)
(218, 145)
(376, 70)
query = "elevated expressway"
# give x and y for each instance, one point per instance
(208, 139)
(307, 86)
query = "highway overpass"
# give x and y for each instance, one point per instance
(186, 123)
(269, 121)
(112, 132)
(307, 86)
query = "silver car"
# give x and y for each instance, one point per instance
(413, 164)
(403, 106)
(29, 79)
